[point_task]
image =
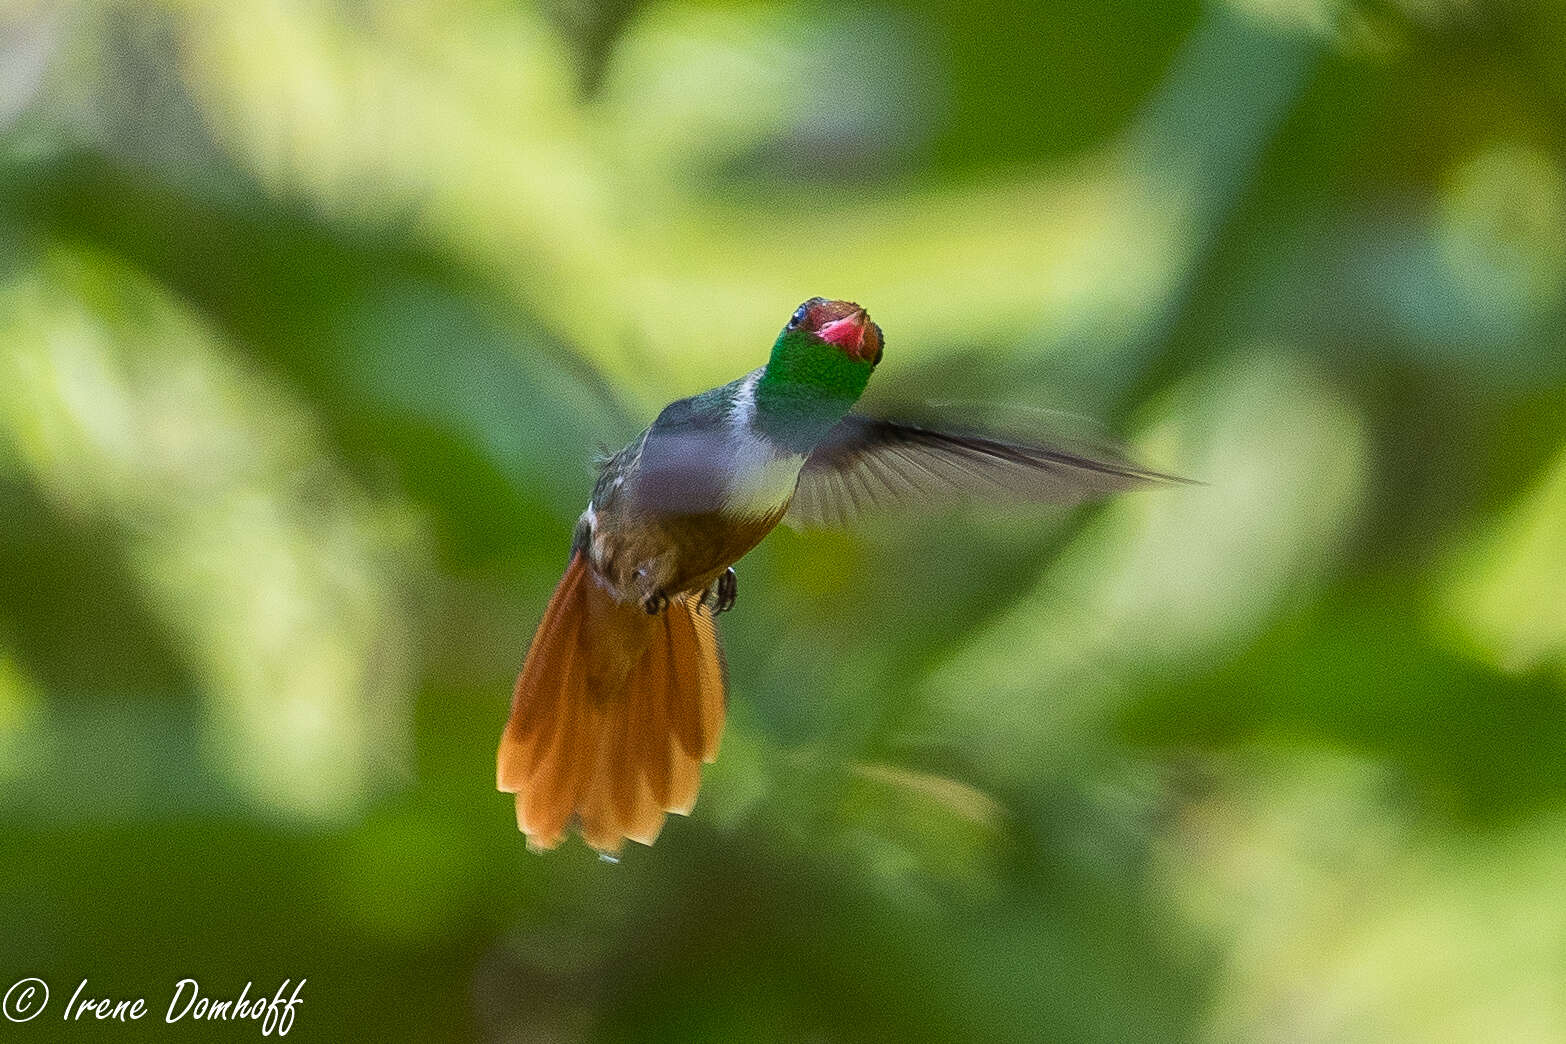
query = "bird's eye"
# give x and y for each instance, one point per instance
(799, 314)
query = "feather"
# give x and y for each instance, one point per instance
(612, 715)
(647, 821)
(866, 465)
(713, 688)
(652, 742)
(685, 679)
(684, 780)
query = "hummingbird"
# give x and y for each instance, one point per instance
(623, 693)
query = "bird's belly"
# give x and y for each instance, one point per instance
(673, 553)
(708, 544)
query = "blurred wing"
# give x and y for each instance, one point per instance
(867, 465)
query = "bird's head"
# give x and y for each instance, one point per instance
(842, 324)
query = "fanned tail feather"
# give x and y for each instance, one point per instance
(612, 716)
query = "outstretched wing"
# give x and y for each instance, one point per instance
(867, 465)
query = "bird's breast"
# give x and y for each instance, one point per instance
(760, 481)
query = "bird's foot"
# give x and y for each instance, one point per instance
(720, 598)
(655, 603)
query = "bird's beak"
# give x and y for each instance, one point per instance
(848, 333)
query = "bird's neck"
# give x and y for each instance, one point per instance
(805, 388)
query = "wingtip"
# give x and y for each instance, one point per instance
(1163, 478)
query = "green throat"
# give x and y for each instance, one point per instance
(805, 389)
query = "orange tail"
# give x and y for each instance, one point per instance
(613, 714)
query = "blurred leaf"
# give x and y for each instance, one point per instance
(1168, 581)
(274, 572)
(1505, 595)
(19, 700)
(616, 263)
(1338, 915)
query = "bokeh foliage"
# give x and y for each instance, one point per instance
(313, 314)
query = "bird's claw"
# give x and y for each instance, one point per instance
(655, 603)
(724, 592)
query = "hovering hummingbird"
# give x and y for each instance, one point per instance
(623, 693)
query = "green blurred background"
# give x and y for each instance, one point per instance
(312, 316)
